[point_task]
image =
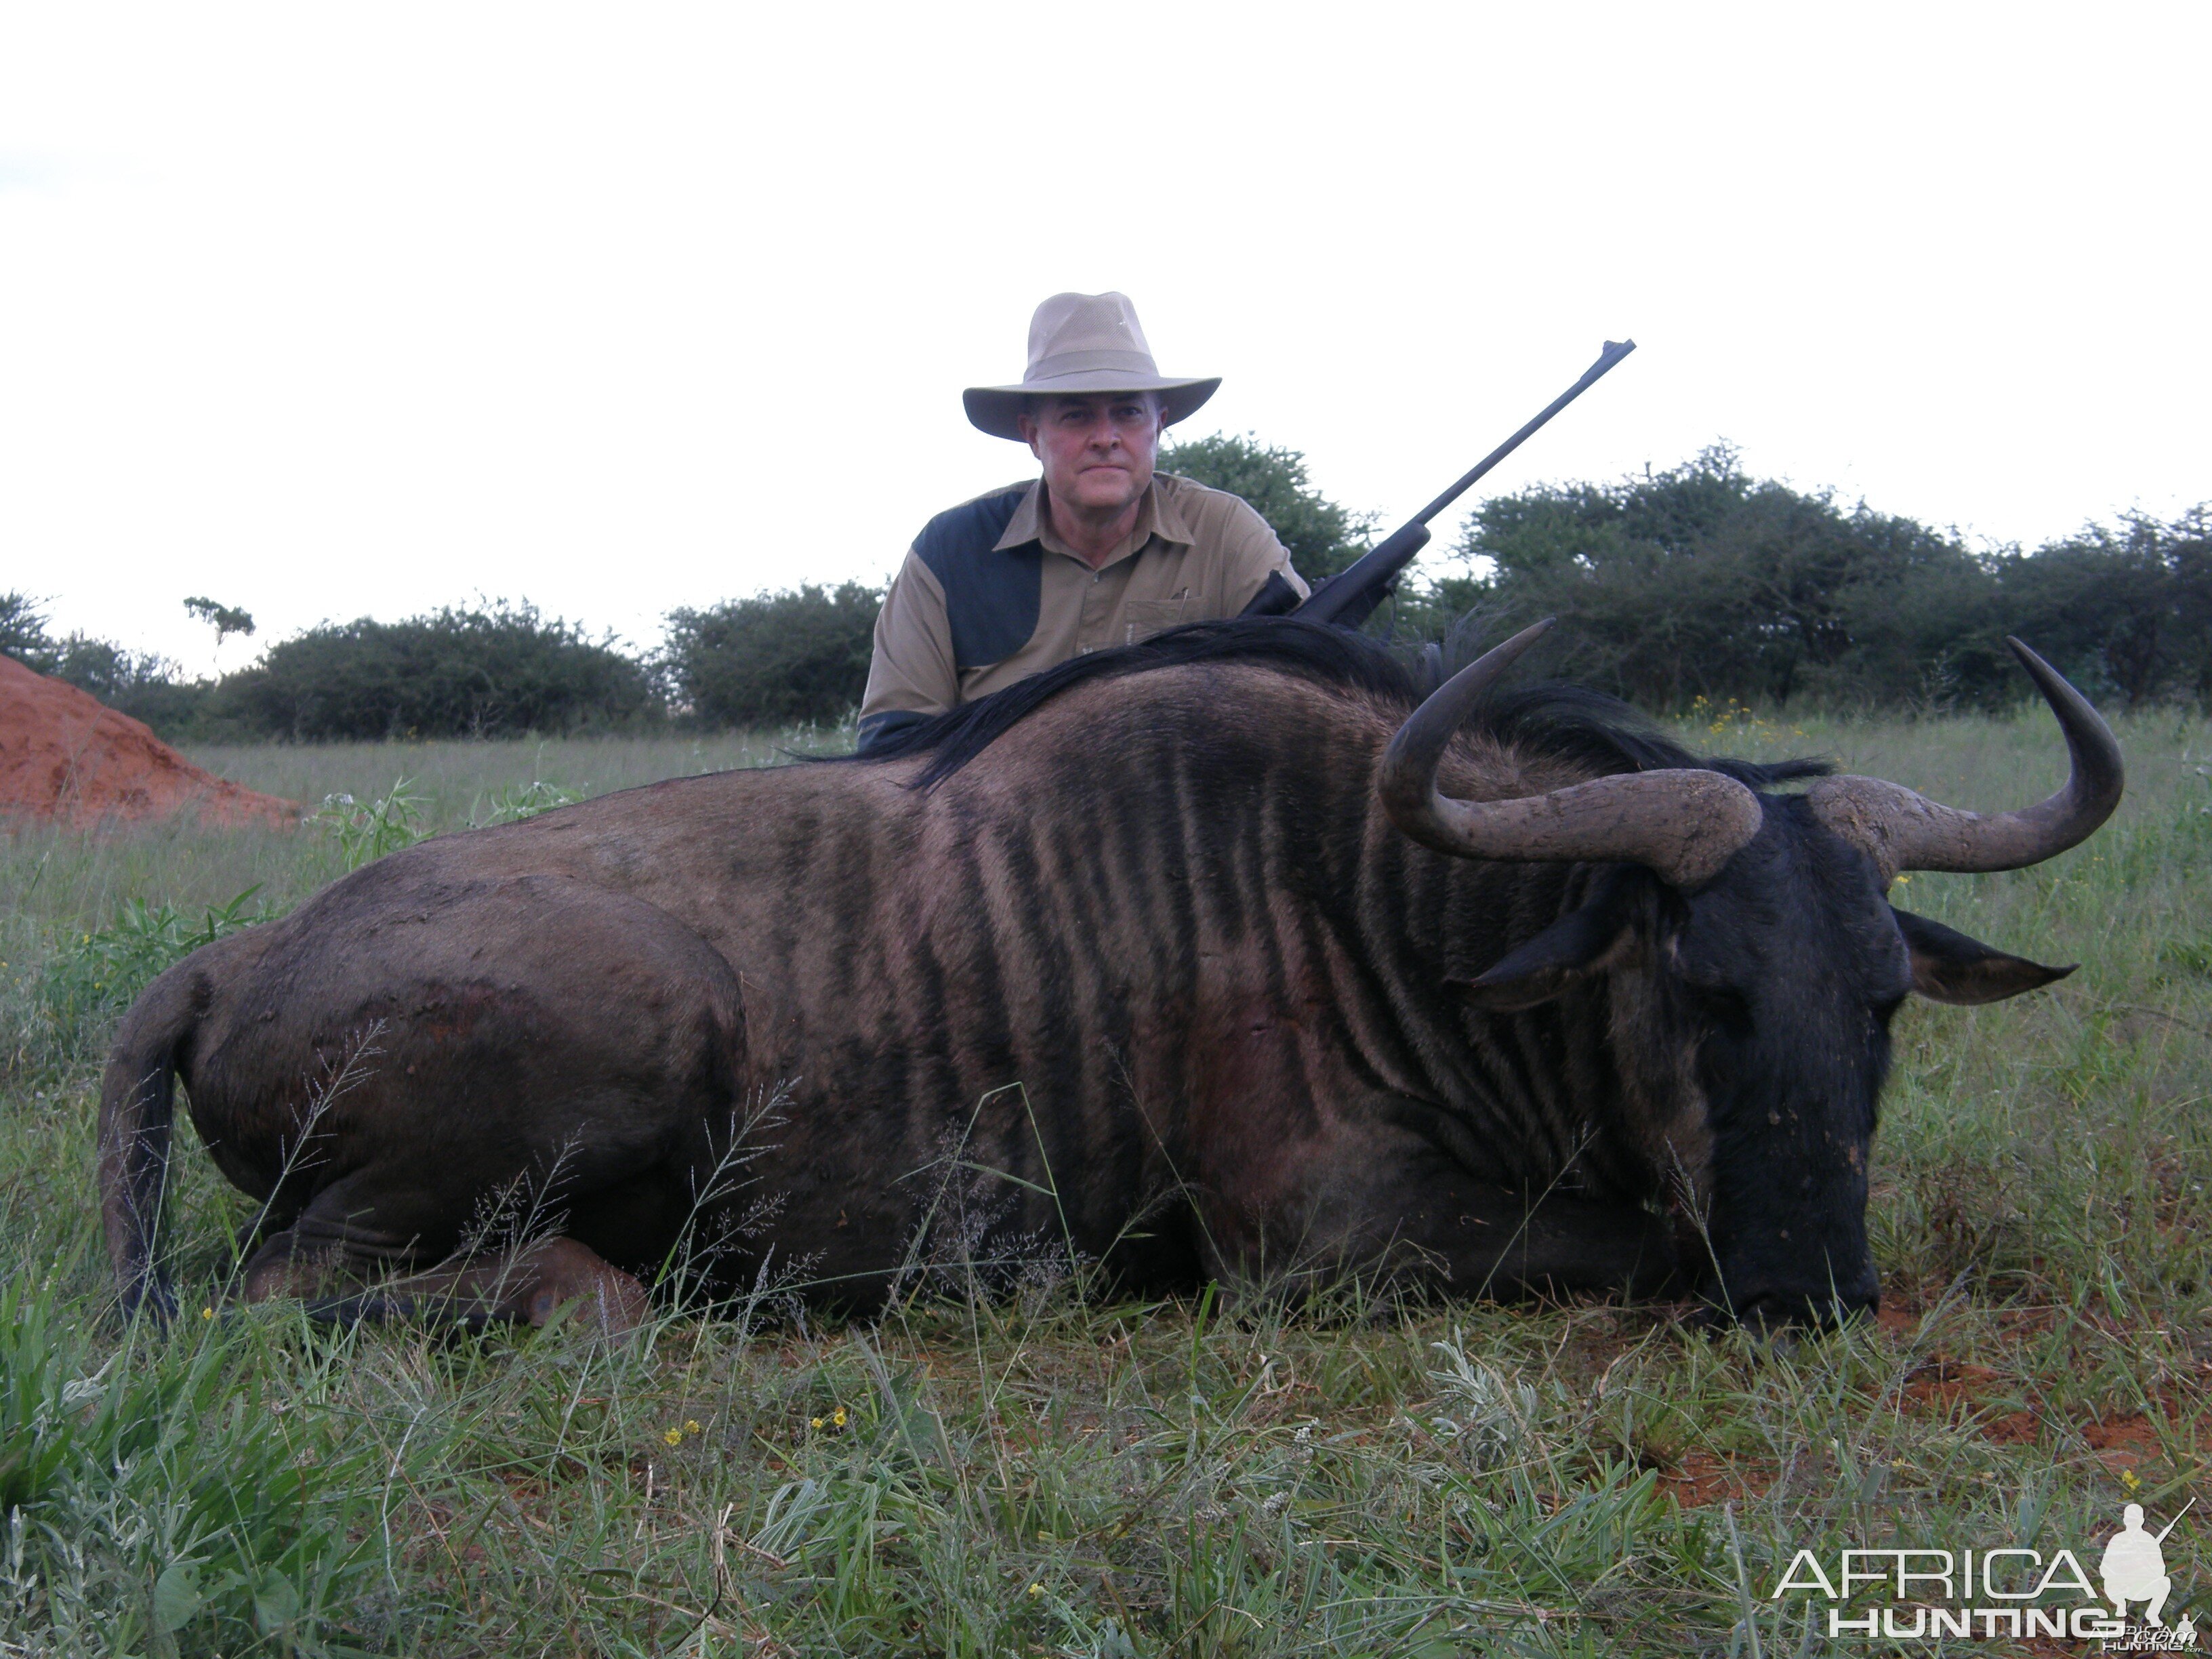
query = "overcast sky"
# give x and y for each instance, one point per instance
(329, 312)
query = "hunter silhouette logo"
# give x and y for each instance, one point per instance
(2133, 1567)
(1928, 1595)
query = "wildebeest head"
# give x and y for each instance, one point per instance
(1760, 925)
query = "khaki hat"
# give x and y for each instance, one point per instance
(1084, 343)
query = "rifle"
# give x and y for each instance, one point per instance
(1349, 597)
(2170, 1525)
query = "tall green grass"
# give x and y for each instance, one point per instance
(1049, 1474)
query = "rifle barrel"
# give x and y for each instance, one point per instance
(2176, 1522)
(1349, 597)
(1614, 352)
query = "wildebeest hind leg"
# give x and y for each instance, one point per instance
(551, 1064)
(334, 1249)
(530, 1283)
(330, 1245)
(284, 1266)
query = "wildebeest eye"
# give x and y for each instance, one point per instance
(1713, 998)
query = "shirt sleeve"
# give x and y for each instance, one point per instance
(911, 675)
(1253, 553)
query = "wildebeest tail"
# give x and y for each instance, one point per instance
(137, 1103)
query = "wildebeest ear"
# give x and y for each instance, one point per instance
(1579, 944)
(1949, 967)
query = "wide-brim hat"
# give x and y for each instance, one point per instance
(1080, 343)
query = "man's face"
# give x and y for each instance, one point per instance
(1098, 450)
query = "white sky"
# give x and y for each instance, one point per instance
(327, 312)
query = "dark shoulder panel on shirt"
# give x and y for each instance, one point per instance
(991, 597)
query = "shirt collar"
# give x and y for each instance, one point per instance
(1156, 515)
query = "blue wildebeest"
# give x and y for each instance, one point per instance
(1296, 970)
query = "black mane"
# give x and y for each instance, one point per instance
(1567, 722)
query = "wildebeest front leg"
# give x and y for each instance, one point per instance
(1373, 1196)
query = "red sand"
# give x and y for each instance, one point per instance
(67, 757)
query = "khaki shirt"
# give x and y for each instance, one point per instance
(977, 606)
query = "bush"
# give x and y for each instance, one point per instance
(1701, 582)
(147, 688)
(776, 659)
(502, 672)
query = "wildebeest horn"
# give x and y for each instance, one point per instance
(1901, 830)
(1681, 824)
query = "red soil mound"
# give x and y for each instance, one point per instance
(69, 758)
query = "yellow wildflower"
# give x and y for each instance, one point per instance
(690, 1425)
(813, 1422)
(838, 1417)
(674, 1437)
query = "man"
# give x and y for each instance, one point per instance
(1100, 550)
(2134, 1567)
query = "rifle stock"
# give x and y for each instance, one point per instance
(1349, 597)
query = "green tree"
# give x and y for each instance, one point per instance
(23, 631)
(775, 659)
(2126, 606)
(1702, 582)
(226, 620)
(1322, 537)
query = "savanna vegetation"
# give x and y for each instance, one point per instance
(500, 670)
(775, 657)
(1694, 585)
(1054, 1472)
(1701, 583)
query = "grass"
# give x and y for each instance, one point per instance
(1052, 1474)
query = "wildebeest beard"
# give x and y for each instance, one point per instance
(1225, 956)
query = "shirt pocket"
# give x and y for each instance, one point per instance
(1146, 618)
